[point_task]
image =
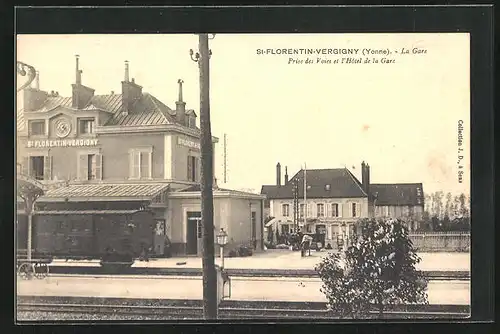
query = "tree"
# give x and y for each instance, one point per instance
(448, 206)
(463, 210)
(377, 270)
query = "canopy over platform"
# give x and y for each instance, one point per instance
(105, 192)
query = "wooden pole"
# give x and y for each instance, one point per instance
(207, 214)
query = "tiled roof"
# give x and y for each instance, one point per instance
(148, 110)
(404, 194)
(342, 184)
(197, 188)
(111, 103)
(106, 190)
(20, 121)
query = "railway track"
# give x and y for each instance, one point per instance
(196, 312)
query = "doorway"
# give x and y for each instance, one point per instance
(193, 232)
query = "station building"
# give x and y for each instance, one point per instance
(118, 154)
(336, 199)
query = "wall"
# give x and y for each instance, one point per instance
(116, 160)
(179, 154)
(345, 210)
(177, 215)
(239, 225)
(232, 214)
(399, 211)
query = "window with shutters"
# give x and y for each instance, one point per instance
(320, 210)
(192, 169)
(335, 210)
(141, 160)
(89, 166)
(38, 167)
(285, 210)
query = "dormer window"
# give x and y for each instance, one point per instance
(37, 128)
(190, 121)
(86, 126)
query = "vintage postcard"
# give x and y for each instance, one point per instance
(337, 173)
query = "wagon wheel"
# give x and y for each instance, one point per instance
(41, 270)
(26, 271)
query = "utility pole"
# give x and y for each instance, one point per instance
(207, 204)
(225, 158)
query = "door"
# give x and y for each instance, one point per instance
(159, 237)
(321, 234)
(193, 220)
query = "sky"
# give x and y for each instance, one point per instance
(400, 117)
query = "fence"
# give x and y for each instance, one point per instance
(441, 241)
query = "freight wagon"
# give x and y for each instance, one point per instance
(89, 234)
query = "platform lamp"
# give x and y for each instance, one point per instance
(222, 241)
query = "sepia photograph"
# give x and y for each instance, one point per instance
(243, 176)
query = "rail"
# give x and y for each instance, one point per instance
(196, 312)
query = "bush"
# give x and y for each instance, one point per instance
(244, 251)
(378, 269)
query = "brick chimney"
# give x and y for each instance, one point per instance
(180, 106)
(81, 94)
(286, 175)
(365, 177)
(278, 174)
(33, 97)
(131, 92)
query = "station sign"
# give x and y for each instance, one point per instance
(62, 143)
(188, 143)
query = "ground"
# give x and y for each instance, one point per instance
(242, 288)
(285, 259)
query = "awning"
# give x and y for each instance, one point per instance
(278, 220)
(104, 192)
(85, 212)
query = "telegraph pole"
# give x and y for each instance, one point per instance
(207, 208)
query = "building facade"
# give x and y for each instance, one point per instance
(115, 150)
(336, 200)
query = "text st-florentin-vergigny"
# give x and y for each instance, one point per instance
(337, 193)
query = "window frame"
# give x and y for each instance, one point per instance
(44, 127)
(336, 206)
(98, 164)
(80, 126)
(354, 209)
(322, 205)
(138, 150)
(285, 213)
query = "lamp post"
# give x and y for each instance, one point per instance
(24, 69)
(222, 241)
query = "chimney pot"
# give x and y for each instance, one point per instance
(133, 80)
